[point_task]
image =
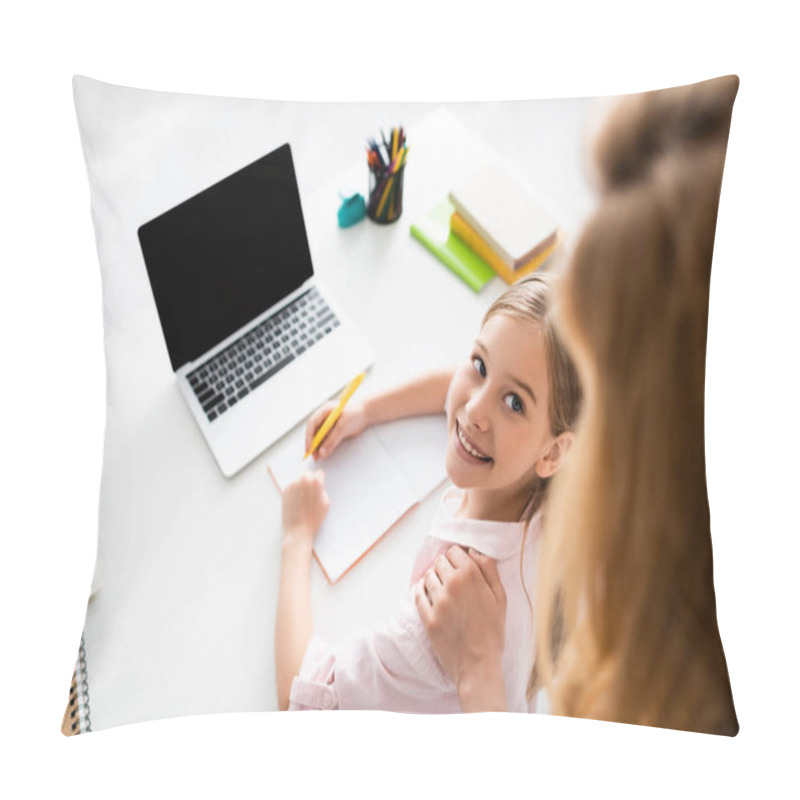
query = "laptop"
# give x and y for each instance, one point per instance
(255, 343)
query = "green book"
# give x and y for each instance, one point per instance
(434, 232)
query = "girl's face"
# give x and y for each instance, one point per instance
(499, 435)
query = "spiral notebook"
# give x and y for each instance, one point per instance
(77, 719)
(372, 480)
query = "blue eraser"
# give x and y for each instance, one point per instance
(352, 210)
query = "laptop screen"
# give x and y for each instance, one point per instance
(224, 256)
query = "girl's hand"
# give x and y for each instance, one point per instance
(305, 504)
(352, 423)
(462, 605)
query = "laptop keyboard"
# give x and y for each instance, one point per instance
(234, 372)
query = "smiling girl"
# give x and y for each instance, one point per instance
(510, 409)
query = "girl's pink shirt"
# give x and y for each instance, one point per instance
(393, 668)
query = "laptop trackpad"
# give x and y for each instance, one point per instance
(286, 399)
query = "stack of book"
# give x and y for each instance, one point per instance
(491, 224)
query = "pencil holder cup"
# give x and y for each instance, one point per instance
(385, 196)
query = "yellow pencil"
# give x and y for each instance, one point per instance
(331, 419)
(385, 195)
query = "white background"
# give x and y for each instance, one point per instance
(52, 422)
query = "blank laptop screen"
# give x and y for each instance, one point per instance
(221, 258)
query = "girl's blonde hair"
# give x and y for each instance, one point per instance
(626, 612)
(530, 300)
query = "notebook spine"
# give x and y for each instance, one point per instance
(77, 719)
(471, 238)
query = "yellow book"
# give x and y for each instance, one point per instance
(460, 227)
(505, 212)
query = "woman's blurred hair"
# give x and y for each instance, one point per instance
(627, 580)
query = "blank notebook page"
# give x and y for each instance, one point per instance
(418, 446)
(372, 480)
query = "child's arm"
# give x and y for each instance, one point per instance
(305, 505)
(423, 395)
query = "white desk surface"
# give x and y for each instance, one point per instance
(181, 615)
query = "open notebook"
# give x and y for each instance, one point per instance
(371, 480)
